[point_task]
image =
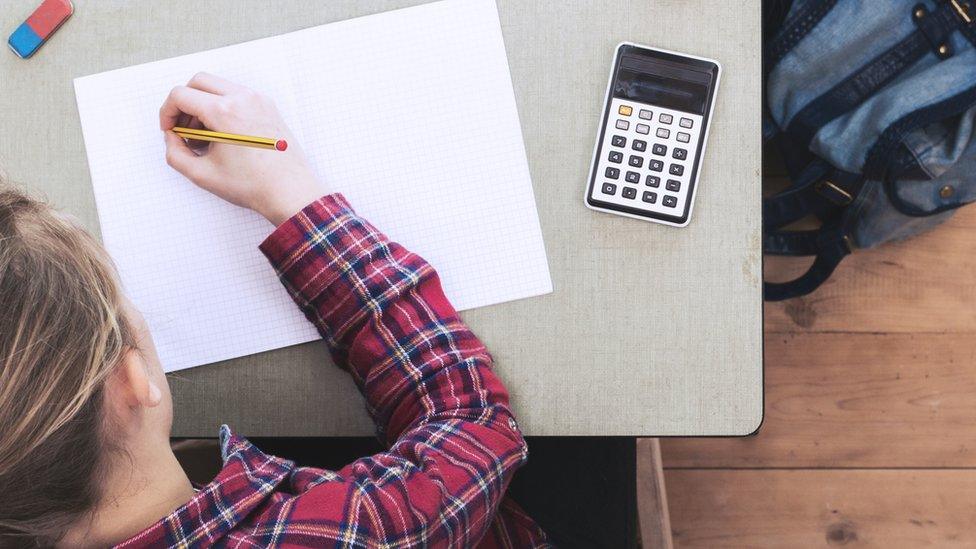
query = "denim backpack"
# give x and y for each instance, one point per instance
(872, 104)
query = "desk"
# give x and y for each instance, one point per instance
(651, 330)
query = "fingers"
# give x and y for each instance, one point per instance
(186, 100)
(194, 123)
(182, 159)
(214, 84)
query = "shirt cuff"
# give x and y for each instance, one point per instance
(310, 250)
(291, 232)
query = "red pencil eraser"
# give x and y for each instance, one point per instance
(49, 16)
(281, 145)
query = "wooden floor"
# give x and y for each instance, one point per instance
(869, 436)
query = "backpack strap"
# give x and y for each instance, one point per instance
(830, 244)
(797, 27)
(818, 190)
(831, 195)
(796, 243)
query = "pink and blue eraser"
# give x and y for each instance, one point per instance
(32, 33)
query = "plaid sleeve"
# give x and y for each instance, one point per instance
(427, 379)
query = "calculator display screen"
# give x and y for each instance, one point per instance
(662, 82)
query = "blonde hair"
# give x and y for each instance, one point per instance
(62, 331)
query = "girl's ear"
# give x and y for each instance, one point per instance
(131, 385)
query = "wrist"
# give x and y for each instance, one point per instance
(286, 205)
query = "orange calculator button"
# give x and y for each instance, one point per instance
(625, 110)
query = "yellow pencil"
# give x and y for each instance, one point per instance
(232, 138)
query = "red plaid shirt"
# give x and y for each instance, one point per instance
(453, 443)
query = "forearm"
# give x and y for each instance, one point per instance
(385, 318)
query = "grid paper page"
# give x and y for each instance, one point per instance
(422, 138)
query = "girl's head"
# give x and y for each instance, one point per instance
(79, 380)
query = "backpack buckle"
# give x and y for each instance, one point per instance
(963, 9)
(849, 242)
(833, 192)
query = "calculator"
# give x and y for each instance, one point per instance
(652, 134)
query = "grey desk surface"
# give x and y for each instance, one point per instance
(651, 330)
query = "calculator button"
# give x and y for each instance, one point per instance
(619, 141)
(635, 161)
(649, 197)
(685, 123)
(680, 154)
(632, 177)
(676, 169)
(645, 114)
(653, 181)
(639, 145)
(655, 165)
(684, 137)
(624, 110)
(616, 157)
(629, 192)
(670, 201)
(613, 173)
(609, 188)
(659, 149)
(643, 128)
(622, 124)
(663, 133)
(673, 185)
(665, 118)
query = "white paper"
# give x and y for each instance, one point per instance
(410, 114)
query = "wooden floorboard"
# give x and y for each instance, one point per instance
(855, 400)
(925, 284)
(822, 508)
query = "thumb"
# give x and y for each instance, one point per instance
(182, 159)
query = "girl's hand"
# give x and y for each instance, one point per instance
(276, 184)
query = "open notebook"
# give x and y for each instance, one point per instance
(410, 114)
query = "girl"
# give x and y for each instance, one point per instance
(85, 411)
